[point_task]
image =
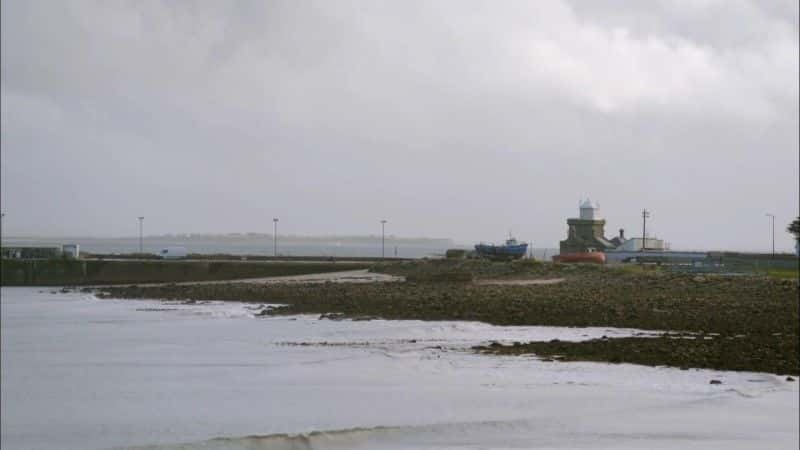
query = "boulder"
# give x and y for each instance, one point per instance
(364, 318)
(332, 316)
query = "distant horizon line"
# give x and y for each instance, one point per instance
(230, 235)
(450, 241)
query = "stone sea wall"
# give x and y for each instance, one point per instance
(54, 272)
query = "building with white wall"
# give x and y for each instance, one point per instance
(635, 245)
(586, 233)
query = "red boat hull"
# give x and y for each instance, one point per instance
(583, 257)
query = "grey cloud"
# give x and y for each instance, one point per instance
(455, 119)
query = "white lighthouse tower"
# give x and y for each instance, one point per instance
(589, 210)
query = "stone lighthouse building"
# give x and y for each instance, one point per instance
(586, 233)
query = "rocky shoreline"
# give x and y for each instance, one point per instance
(755, 353)
(743, 323)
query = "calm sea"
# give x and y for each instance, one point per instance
(366, 247)
(83, 373)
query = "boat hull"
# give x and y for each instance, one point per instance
(502, 251)
(582, 257)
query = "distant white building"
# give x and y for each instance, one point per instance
(71, 251)
(31, 252)
(635, 245)
(586, 233)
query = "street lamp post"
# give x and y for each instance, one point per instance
(383, 239)
(773, 234)
(275, 236)
(141, 219)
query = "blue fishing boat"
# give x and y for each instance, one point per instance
(510, 250)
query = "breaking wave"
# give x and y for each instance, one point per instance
(384, 437)
(520, 433)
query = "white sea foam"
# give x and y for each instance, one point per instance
(82, 373)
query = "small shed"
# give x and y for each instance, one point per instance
(71, 251)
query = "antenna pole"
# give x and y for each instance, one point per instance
(383, 239)
(141, 247)
(275, 236)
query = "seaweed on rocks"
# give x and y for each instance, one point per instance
(747, 323)
(760, 354)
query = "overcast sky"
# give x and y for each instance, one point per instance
(457, 119)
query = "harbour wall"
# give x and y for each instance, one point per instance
(58, 272)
